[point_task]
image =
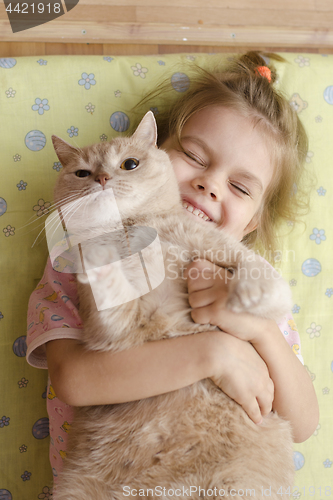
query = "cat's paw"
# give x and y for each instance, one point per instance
(264, 294)
(247, 295)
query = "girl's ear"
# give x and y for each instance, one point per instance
(147, 130)
(64, 151)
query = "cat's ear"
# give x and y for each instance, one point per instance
(147, 130)
(65, 152)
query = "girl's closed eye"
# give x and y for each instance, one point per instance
(194, 157)
(240, 188)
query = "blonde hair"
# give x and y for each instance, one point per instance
(240, 86)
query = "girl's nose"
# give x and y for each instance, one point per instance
(208, 186)
(102, 178)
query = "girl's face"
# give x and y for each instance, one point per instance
(223, 171)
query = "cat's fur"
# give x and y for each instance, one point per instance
(196, 436)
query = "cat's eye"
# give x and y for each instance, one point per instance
(82, 173)
(129, 164)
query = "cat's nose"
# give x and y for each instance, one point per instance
(102, 178)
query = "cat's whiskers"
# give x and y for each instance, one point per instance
(71, 209)
(49, 209)
(87, 230)
(54, 221)
(40, 221)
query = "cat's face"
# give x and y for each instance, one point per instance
(130, 171)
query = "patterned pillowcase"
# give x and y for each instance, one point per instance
(90, 99)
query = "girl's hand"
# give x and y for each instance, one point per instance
(208, 294)
(241, 373)
(294, 396)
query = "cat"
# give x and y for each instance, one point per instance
(195, 437)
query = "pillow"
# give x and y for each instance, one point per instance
(86, 99)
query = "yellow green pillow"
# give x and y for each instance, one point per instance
(88, 99)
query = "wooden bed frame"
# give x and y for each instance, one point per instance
(128, 27)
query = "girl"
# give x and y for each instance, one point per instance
(237, 148)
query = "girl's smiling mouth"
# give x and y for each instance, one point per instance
(196, 211)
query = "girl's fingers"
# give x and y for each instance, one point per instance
(253, 411)
(205, 297)
(199, 283)
(214, 312)
(205, 315)
(203, 274)
(259, 407)
(244, 326)
(243, 376)
(265, 401)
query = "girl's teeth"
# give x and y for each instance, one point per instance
(195, 211)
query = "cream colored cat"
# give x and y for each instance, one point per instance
(194, 437)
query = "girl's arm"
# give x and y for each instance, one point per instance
(80, 377)
(294, 395)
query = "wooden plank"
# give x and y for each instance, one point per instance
(125, 11)
(93, 11)
(16, 49)
(234, 17)
(179, 49)
(101, 13)
(130, 49)
(202, 15)
(323, 5)
(153, 33)
(78, 49)
(224, 4)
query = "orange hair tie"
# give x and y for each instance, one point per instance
(265, 72)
